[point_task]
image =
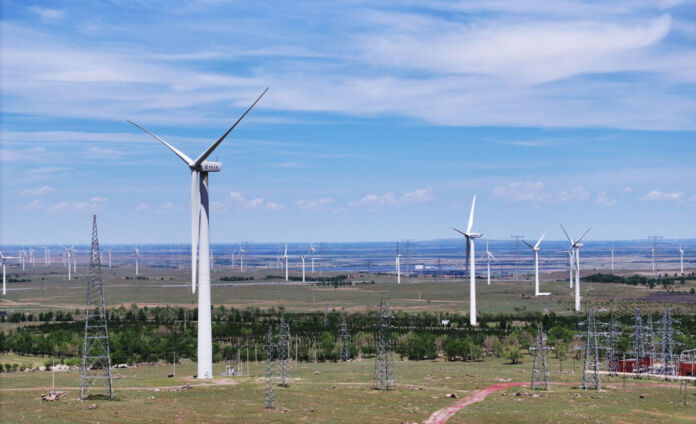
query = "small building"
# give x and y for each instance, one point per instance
(687, 363)
(636, 365)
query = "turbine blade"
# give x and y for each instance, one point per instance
(583, 235)
(471, 215)
(207, 153)
(464, 234)
(540, 239)
(566, 233)
(530, 246)
(493, 257)
(195, 227)
(183, 157)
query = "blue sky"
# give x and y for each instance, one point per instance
(381, 122)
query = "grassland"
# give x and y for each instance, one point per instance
(341, 392)
(172, 287)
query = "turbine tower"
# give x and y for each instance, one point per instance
(489, 255)
(285, 256)
(612, 258)
(312, 251)
(471, 262)
(109, 258)
(200, 265)
(67, 252)
(575, 248)
(398, 264)
(303, 273)
(137, 255)
(2, 260)
(681, 259)
(535, 249)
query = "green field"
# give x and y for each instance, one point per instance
(172, 287)
(341, 392)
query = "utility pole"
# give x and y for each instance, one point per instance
(384, 365)
(96, 359)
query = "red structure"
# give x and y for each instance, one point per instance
(687, 368)
(632, 365)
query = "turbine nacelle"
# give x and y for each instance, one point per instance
(209, 166)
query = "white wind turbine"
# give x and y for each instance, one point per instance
(572, 265)
(2, 260)
(200, 238)
(285, 256)
(612, 258)
(67, 251)
(398, 264)
(22, 255)
(303, 273)
(242, 251)
(575, 246)
(535, 249)
(312, 251)
(109, 258)
(681, 259)
(31, 257)
(137, 256)
(489, 255)
(471, 262)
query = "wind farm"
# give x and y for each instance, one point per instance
(354, 262)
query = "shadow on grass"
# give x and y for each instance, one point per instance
(102, 397)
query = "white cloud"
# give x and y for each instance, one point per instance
(237, 200)
(94, 204)
(168, 207)
(421, 195)
(604, 199)
(34, 205)
(658, 195)
(314, 203)
(37, 191)
(47, 14)
(105, 153)
(142, 207)
(536, 192)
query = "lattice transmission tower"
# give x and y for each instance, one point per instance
(612, 341)
(269, 399)
(540, 360)
(592, 360)
(96, 359)
(384, 364)
(344, 336)
(667, 340)
(638, 338)
(283, 351)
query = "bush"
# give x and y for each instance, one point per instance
(514, 354)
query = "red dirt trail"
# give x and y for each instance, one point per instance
(444, 414)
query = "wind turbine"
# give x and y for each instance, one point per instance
(22, 255)
(681, 259)
(137, 255)
(471, 262)
(199, 236)
(31, 257)
(66, 252)
(285, 256)
(575, 247)
(398, 264)
(489, 255)
(612, 258)
(242, 251)
(303, 273)
(312, 251)
(572, 265)
(2, 260)
(535, 249)
(109, 258)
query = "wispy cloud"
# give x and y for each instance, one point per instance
(94, 204)
(604, 199)
(143, 207)
(656, 195)
(47, 14)
(421, 195)
(536, 192)
(238, 201)
(37, 191)
(34, 205)
(320, 203)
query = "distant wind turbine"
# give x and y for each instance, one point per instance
(3, 259)
(200, 168)
(681, 259)
(489, 255)
(471, 262)
(575, 246)
(137, 256)
(285, 256)
(303, 273)
(398, 264)
(535, 249)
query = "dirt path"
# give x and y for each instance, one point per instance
(444, 414)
